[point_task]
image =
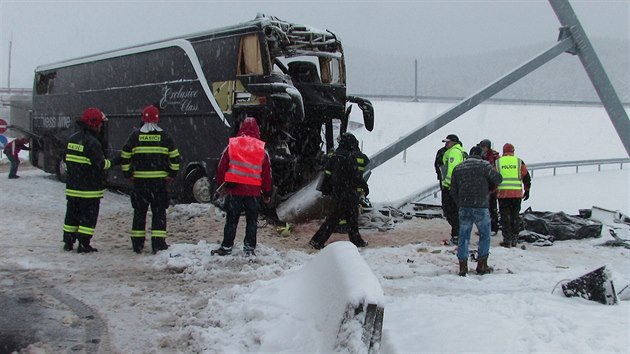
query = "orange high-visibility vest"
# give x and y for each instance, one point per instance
(246, 157)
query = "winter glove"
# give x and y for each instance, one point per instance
(526, 195)
(266, 198)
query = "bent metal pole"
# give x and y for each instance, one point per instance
(595, 70)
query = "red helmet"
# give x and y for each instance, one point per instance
(93, 117)
(150, 114)
(508, 148)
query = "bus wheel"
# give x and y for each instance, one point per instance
(61, 170)
(198, 187)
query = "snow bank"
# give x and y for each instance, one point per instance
(336, 279)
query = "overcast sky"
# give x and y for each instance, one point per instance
(44, 32)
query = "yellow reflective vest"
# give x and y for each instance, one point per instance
(510, 168)
(452, 157)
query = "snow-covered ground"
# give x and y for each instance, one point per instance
(185, 301)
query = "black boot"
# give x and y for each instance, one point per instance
(463, 267)
(507, 241)
(84, 245)
(158, 244)
(68, 241)
(483, 267)
(138, 244)
(358, 241)
(316, 245)
(221, 251)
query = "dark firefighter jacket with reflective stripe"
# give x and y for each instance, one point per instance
(345, 172)
(150, 155)
(86, 165)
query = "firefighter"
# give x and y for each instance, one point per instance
(244, 172)
(86, 166)
(510, 193)
(345, 180)
(453, 156)
(362, 161)
(150, 161)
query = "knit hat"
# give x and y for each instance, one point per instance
(475, 151)
(485, 142)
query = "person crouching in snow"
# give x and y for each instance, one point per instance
(245, 170)
(12, 150)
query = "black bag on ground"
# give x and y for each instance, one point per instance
(560, 225)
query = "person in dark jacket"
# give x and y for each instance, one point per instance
(12, 150)
(346, 181)
(471, 182)
(362, 161)
(150, 160)
(86, 166)
(491, 155)
(244, 172)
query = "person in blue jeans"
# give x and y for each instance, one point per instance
(471, 183)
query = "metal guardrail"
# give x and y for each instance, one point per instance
(16, 91)
(434, 189)
(577, 164)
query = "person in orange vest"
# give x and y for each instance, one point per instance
(510, 193)
(244, 171)
(12, 150)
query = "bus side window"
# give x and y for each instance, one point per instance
(249, 57)
(45, 83)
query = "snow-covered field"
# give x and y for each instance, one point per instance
(185, 301)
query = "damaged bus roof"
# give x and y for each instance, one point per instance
(291, 40)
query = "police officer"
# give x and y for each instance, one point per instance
(345, 179)
(453, 156)
(86, 166)
(510, 193)
(150, 161)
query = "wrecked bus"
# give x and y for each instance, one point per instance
(290, 77)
